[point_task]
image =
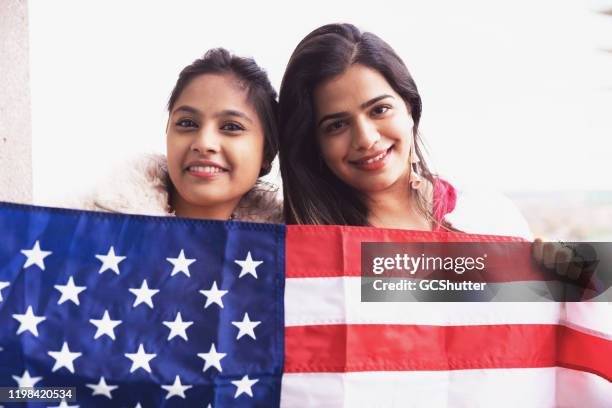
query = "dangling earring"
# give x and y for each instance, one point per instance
(415, 179)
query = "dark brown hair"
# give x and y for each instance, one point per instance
(260, 92)
(312, 193)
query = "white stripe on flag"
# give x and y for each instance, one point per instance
(313, 301)
(590, 317)
(525, 388)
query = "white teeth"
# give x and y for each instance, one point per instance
(205, 169)
(377, 158)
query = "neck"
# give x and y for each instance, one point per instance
(396, 208)
(222, 211)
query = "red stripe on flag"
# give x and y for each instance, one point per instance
(358, 347)
(584, 352)
(333, 251)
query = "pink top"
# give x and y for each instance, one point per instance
(444, 200)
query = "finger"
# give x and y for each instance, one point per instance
(562, 261)
(549, 252)
(536, 250)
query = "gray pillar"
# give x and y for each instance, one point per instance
(15, 118)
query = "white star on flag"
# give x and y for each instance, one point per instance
(140, 359)
(69, 292)
(144, 294)
(212, 358)
(244, 385)
(110, 261)
(64, 404)
(177, 389)
(35, 256)
(25, 381)
(181, 264)
(101, 388)
(28, 321)
(246, 326)
(248, 266)
(64, 358)
(178, 327)
(2, 286)
(105, 326)
(213, 295)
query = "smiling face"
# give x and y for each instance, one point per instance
(215, 144)
(364, 130)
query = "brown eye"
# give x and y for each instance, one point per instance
(186, 123)
(335, 126)
(380, 110)
(232, 127)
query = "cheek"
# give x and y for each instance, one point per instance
(176, 150)
(333, 150)
(407, 126)
(246, 153)
(173, 150)
(400, 128)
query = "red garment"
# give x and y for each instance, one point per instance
(444, 200)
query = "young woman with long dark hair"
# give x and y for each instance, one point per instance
(350, 152)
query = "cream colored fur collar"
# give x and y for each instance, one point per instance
(142, 187)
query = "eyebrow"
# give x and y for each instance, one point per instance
(226, 112)
(231, 112)
(188, 109)
(364, 105)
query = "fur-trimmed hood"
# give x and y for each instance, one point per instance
(142, 187)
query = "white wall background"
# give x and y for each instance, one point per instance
(517, 94)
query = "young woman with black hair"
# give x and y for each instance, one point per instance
(221, 136)
(350, 152)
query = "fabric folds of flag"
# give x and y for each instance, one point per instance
(341, 352)
(161, 312)
(141, 311)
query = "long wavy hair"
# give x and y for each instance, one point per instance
(313, 194)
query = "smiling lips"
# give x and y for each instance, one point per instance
(371, 162)
(205, 169)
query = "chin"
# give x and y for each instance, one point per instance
(204, 199)
(377, 185)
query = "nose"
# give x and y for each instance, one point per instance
(365, 134)
(207, 140)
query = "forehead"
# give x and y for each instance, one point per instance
(215, 92)
(353, 87)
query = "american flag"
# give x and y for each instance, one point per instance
(148, 311)
(141, 311)
(342, 352)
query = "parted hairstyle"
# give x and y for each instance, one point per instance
(260, 92)
(313, 194)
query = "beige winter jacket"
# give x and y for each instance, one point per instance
(142, 188)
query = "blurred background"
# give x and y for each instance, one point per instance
(517, 96)
(568, 215)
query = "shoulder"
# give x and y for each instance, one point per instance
(487, 212)
(138, 187)
(261, 204)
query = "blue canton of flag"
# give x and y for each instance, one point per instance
(139, 311)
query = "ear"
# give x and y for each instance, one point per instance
(266, 166)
